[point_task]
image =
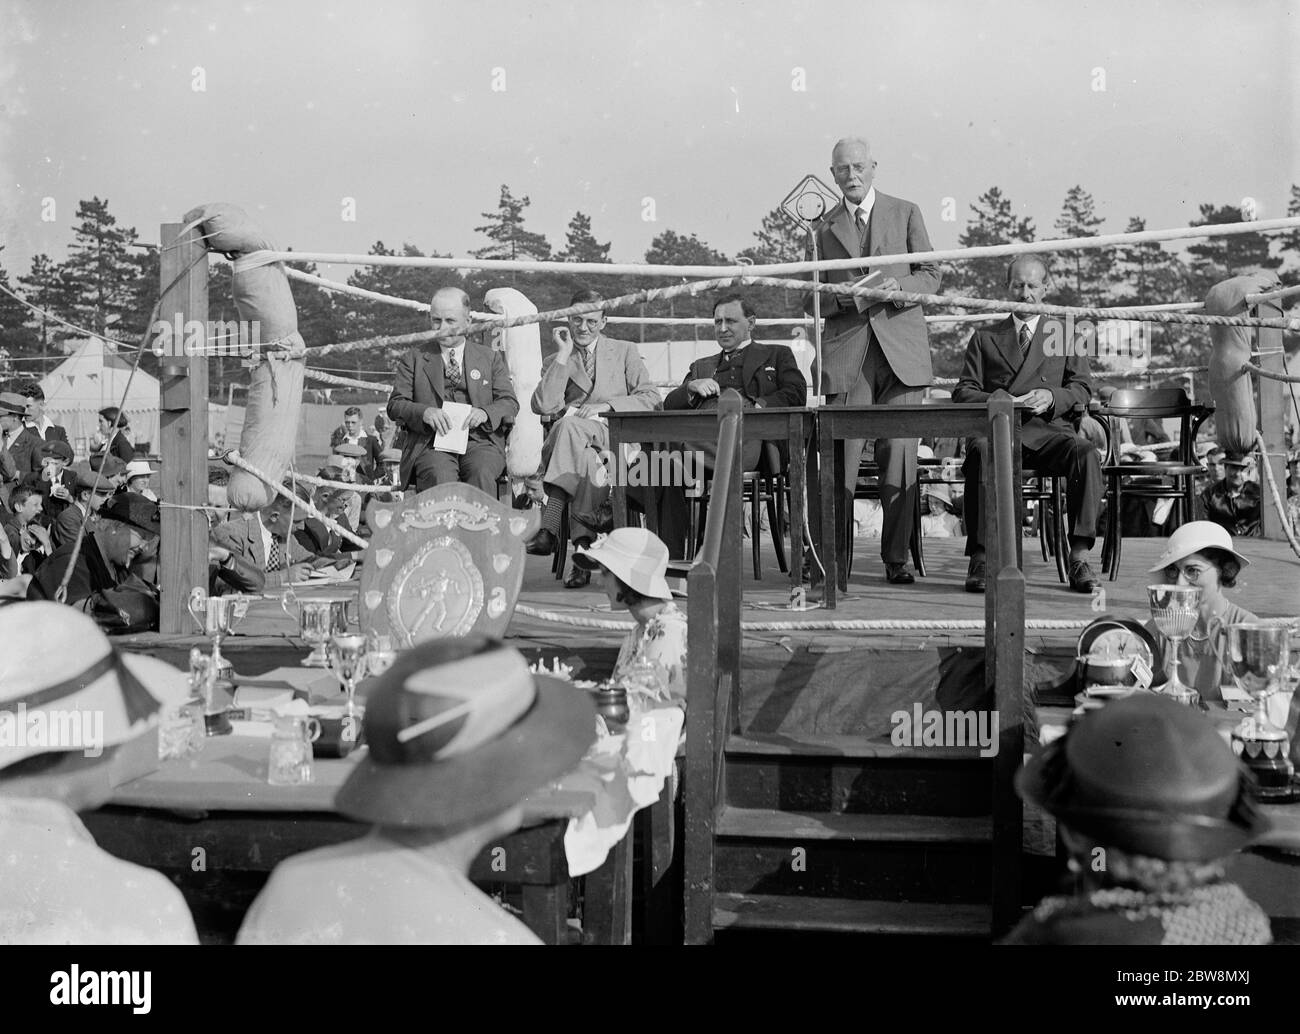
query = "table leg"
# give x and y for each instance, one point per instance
(607, 898)
(798, 485)
(618, 491)
(830, 493)
(546, 911)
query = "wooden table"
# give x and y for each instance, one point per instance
(216, 820)
(791, 424)
(835, 423)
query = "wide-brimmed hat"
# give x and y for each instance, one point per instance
(637, 557)
(1192, 538)
(56, 663)
(138, 468)
(939, 490)
(136, 510)
(87, 478)
(107, 464)
(1150, 776)
(460, 731)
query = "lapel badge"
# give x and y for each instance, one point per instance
(474, 375)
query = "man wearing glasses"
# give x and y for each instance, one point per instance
(588, 375)
(874, 352)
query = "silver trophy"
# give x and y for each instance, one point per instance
(347, 659)
(1174, 610)
(1256, 658)
(319, 618)
(217, 617)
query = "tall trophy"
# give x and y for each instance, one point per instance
(347, 659)
(217, 617)
(1256, 658)
(1174, 609)
(319, 619)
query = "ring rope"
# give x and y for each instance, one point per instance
(256, 259)
(233, 457)
(1278, 505)
(1272, 375)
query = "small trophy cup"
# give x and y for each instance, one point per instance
(347, 659)
(1256, 659)
(217, 617)
(1174, 611)
(319, 618)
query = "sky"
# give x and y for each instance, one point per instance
(419, 112)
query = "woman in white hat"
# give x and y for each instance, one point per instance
(139, 479)
(1201, 553)
(652, 662)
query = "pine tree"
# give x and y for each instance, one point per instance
(781, 238)
(994, 223)
(15, 337)
(505, 229)
(44, 287)
(100, 273)
(1082, 277)
(672, 249)
(1288, 243)
(580, 245)
(1217, 258)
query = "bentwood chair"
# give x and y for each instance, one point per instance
(1173, 478)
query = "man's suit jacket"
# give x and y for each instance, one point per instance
(25, 450)
(621, 380)
(993, 361)
(53, 433)
(895, 227)
(370, 461)
(420, 383)
(243, 537)
(771, 377)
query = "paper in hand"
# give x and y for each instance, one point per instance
(872, 279)
(457, 439)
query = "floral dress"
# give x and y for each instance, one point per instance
(652, 662)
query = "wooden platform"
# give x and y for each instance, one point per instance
(1270, 587)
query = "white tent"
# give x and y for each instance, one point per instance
(95, 376)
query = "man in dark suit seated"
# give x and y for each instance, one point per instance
(766, 375)
(1034, 360)
(1234, 502)
(453, 369)
(91, 493)
(55, 482)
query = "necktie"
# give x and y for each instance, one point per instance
(589, 363)
(274, 558)
(454, 379)
(1026, 336)
(862, 230)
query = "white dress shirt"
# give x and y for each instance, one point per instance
(868, 203)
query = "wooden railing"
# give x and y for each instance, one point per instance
(713, 667)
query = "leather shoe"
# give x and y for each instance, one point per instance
(1082, 578)
(578, 578)
(541, 544)
(975, 576)
(898, 574)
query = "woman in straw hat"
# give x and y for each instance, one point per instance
(68, 701)
(652, 662)
(460, 733)
(1149, 801)
(1202, 554)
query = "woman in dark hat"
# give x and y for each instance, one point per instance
(1149, 801)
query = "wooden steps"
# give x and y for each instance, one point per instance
(765, 824)
(838, 916)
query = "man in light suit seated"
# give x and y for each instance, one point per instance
(590, 374)
(268, 540)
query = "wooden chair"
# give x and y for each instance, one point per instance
(768, 486)
(1173, 478)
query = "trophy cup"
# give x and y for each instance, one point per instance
(347, 659)
(1256, 658)
(319, 618)
(216, 617)
(1174, 611)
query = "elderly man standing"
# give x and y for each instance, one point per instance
(875, 353)
(589, 374)
(453, 369)
(1033, 359)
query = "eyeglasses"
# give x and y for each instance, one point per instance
(1193, 573)
(858, 167)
